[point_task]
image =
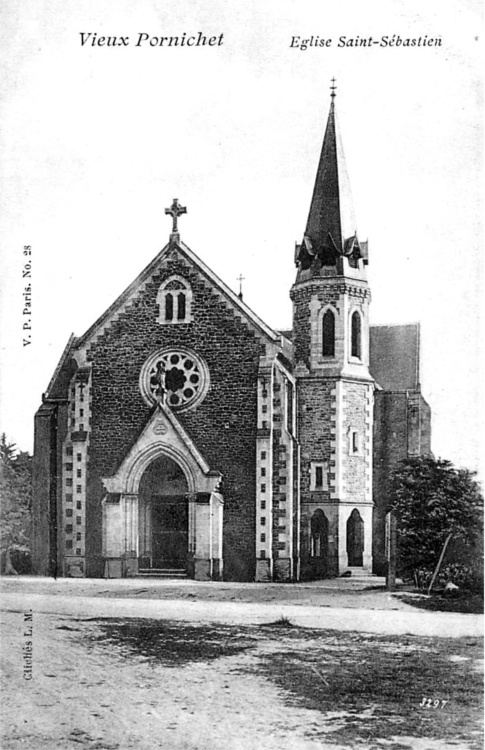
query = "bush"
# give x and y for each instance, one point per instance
(464, 576)
(433, 501)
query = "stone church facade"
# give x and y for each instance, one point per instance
(181, 435)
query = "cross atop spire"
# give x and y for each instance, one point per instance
(175, 211)
(333, 89)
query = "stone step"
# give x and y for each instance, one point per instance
(358, 574)
(162, 573)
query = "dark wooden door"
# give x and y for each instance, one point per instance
(318, 545)
(170, 531)
(355, 539)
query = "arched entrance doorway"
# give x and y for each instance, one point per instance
(355, 539)
(164, 516)
(319, 544)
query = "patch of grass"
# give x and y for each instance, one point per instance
(173, 644)
(466, 603)
(367, 688)
(283, 622)
(375, 685)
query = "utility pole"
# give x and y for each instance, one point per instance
(391, 539)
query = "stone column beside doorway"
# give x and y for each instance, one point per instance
(208, 537)
(129, 555)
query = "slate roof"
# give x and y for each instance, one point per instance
(394, 356)
(331, 220)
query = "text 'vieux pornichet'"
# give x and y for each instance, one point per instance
(199, 39)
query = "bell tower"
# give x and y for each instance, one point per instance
(331, 299)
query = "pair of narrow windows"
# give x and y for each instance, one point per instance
(175, 303)
(328, 335)
(174, 299)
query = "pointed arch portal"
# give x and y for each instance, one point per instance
(164, 515)
(162, 509)
(319, 534)
(318, 530)
(355, 539)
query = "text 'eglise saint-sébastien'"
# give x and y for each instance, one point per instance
(142, 39)
(390, 41)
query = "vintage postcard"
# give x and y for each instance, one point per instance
(241, 374)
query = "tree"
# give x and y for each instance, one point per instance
(16, 501)
(433, 500)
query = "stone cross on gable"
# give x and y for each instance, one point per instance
(175, 211)
(240, 278)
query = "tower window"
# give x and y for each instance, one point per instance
(356, 336)
(328, 334)
(355, 443)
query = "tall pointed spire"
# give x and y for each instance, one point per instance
(331, 228)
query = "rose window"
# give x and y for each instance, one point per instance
(177, 378)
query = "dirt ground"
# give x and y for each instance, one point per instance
(108, 681)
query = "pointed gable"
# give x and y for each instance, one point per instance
(177, 250)
(162, 434)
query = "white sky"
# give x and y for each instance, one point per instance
(97, 141)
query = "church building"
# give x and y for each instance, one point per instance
(182, 436)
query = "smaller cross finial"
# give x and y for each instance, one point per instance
(240, 278)
(175, 211)
(333, 89)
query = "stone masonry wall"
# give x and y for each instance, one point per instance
(223, 426)
(355, 402)
(390, 447)
(302, 297)
(402, 428)
(316, 402)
